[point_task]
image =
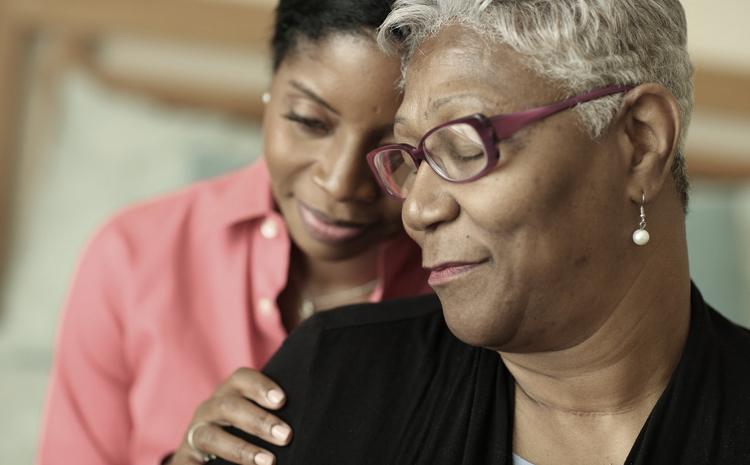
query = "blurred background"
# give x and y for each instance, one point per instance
(105, 102)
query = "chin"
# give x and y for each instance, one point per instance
(481, 326)
(318, 250)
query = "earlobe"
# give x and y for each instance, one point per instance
(652, 125)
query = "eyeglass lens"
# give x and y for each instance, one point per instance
(456, 152)
(396, 169)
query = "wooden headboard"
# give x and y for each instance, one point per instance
(726, 94)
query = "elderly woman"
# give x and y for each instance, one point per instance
(542, 172)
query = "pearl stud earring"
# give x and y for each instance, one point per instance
(641, 236)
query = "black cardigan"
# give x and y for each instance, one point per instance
(388, 383)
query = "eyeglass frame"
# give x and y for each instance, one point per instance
(491, 130)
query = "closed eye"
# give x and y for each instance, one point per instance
(463, 154)
(311, 125)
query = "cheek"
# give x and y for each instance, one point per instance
(532, 225)
(284, 156)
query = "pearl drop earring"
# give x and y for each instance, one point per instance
(266, 97)
(641, 236)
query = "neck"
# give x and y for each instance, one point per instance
(627, 360)
(323, 277)
(593, 398)
(311, 278)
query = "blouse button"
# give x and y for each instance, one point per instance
(269, 229)
(266, 306)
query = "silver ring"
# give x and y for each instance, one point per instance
(206, 457)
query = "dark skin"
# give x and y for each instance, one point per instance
(332, 101)
(541, 232)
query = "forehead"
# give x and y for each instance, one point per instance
(346, 68)
(341, 49)
(458, 72)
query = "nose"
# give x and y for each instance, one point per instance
(344, 175)
(428, 204)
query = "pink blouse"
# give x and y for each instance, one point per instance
(170, 297)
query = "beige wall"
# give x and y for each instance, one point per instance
(719, 32)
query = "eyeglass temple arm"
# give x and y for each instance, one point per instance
(505, 125)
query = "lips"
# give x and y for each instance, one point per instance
(441, 274)
(329, 230)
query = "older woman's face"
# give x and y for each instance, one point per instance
(524, 258)
(331, 103)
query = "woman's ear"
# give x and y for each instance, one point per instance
(652, 125)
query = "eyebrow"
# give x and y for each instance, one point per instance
(398, 119)
(312, 95)
(437, 103)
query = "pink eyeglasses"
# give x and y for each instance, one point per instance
(461, 150)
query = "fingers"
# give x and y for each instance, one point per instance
(231, 408)
(237, 402)
(257, 387)
(211, 439)
(240, 401)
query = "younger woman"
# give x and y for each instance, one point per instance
(179, 295)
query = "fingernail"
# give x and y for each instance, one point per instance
(275, 396)
(263, 459)
(281, 432)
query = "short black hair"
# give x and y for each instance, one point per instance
(315, 19)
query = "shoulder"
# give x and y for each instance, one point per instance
(718, 344)
(192, 211)
(373, 372)
(372, 330)
(200, 199)
(361, 328)
(407, 311)
(732, 340)
(396, 335)
(711, 386)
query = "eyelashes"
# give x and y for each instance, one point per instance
(312, 125)
(316, 127)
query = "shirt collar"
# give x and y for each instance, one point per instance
(247, 195)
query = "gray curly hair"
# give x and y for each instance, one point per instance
(580, 45)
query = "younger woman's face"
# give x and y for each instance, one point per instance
(331, 103)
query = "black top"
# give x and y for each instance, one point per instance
(388, 383)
